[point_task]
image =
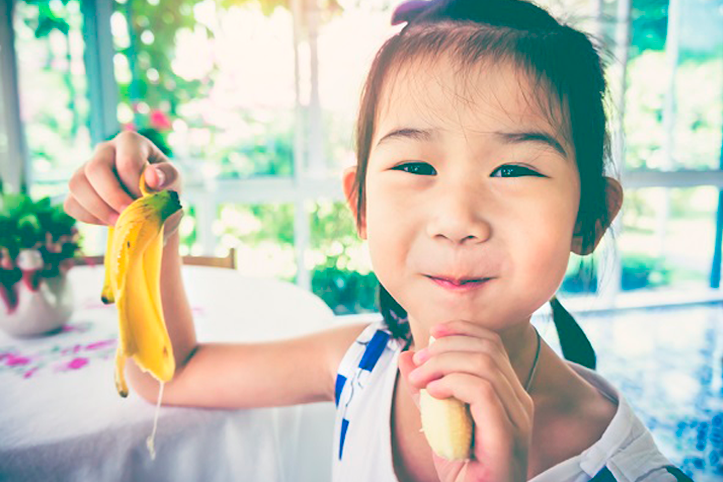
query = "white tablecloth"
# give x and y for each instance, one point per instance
(62, 419)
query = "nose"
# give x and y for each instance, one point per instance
(458, 215)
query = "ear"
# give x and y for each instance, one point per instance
(614, 197)
(350, 195)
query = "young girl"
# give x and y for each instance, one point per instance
(481, 145)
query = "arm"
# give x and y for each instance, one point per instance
(285, 372)
(177, 315)
(236, 375)
(213, 375)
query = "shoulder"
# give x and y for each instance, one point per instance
(598, 420)
(571, 414)
(566, 427)
(581, 414)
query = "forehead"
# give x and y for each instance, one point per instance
(490, 95)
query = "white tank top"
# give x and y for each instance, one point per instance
(362, 435)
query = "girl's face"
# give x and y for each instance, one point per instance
(468, 179)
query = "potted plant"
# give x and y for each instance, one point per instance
(38, 242)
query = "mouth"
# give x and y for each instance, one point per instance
(459, 284)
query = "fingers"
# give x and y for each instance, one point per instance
(109, 182)
(495, 430)
(163, 175)
(101, 174)
(463, 343)
(406, 366)
(436, 373)
(74, 209)
(84, 202)
(462, 327)
(132, 152)
(489, 343)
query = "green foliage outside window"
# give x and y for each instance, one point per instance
(155, 96)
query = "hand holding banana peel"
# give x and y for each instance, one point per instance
(132, 280)
(475, 413)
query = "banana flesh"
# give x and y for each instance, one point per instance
(447, 425)
(132, 281)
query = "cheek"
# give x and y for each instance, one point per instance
(543, 246)
(383, 220)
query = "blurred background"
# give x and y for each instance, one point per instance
(255, 100)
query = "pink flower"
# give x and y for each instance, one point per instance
(30, 372)
(7, 263)
(76, 363)
(159, 120)
(100, 344)
(12, 360)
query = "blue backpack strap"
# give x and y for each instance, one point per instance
(604, 476)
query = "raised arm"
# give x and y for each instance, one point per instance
(211, 375)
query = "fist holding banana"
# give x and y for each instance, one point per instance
(110, 181)
(476, 415)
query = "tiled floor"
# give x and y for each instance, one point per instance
(668, 363)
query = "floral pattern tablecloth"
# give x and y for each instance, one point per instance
(62, 419)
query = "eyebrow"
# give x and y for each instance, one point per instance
(538, 137)
(534, 136)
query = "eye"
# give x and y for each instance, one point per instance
(515, 171)
(421, 168)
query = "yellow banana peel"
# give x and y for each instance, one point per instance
(107, 296)
(132, 281)
(447, 425)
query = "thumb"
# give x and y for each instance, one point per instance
(406, 365)
(162, 175)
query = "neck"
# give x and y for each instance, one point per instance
(519, 340)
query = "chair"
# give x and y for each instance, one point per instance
(228, 261)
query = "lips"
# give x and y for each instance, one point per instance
(459, 285)
(457, 281)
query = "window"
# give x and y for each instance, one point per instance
(53, 90)
(257, 103)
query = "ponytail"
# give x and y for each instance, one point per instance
(574, 344)
(394, 315)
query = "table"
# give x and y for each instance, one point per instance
(62, 419)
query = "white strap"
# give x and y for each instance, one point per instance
(637, 460)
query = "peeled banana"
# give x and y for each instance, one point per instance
(132, 280)
(447, 424)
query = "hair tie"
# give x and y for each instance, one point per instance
(409, 10)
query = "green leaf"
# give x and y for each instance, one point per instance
(50, 23)
(43, 204)
(15, 205)
(62, 223)
(29, 231)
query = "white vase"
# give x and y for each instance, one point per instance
(38, 311)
